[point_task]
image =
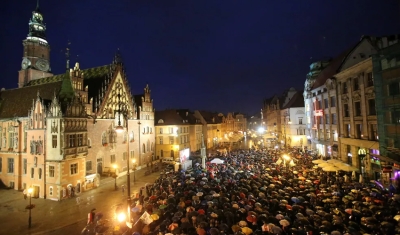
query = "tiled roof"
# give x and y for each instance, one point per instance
(91, 73)
(208, 117)
(296, 101)
(331, 69)
(18, 102)
(169, 116)
(187, 115)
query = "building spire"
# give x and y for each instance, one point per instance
(37, 5)
(67, 56)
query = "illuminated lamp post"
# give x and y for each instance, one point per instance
(115, 176)
(30, 207)
(134, 169)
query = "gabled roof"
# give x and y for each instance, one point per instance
(332, 68)
(18, 102)
(209, 116)
(188, 116)
(169, 116)
(296, 101)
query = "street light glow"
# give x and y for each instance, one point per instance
(134, 161)
(119, 129)
(261, 129)
(286, 157)
(115, 166)
(30, 190)
(121, 217)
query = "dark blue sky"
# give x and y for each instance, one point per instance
(207, 54)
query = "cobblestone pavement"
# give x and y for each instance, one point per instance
(48, 216)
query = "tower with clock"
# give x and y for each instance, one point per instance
(36, 52)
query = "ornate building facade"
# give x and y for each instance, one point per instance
(58, 133)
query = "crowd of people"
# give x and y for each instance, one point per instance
(260, 192)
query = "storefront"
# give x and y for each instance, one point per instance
(321, 149)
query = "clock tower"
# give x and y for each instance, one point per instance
(36, 55)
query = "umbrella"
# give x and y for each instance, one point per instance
(284, 223)
(155, 217)
(346, 167)
(247, 230)
(217, 161)
(318, 161)
(330, 168)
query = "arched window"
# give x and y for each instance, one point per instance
(152, 146)
(132, 137)
(172, 154)
(162, 153)
(148, 145)
(144, 148)
(104, 138)
(125, 137)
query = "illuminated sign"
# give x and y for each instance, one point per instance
(184, 155)
(319, 113)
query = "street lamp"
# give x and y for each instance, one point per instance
(30, 207)
(115, 176)
(120, 129)
(134, 169)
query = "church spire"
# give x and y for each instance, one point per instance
(37, 28)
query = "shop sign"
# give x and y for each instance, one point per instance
(387, 169)
(319, 113)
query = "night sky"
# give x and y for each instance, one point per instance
(224, 56)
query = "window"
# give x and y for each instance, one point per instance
(358, 133)
(71, 140)
(171, 140)
(371, 107)
(80, 139)
(394, 88)
(124, 156)
(326, 103)
(347, 130)
(327, 134)
(319, 104)
(54, 141)
(327, 121)
(89, 166)
(356, 85)
(161, 140)
(132, 137)
(132, 154)
(103, 138)
(40, 173)
(161, 130)
(51, 190)
(74, 168)
(300, 121)
(171, 130)
(51, 171)
(10, 163)
(395, 116)
(344, 88)
(357, 108)
(112, 158)
(32, 173)
(346, 110)
(25, 166)
(334, 119)
(162, 153)
(335, 135)
(144, 148)
(148, 145)
(307, 107)
(370, 80)
(374, 132)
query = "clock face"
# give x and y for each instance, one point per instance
(42, 65)
(25, 63)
